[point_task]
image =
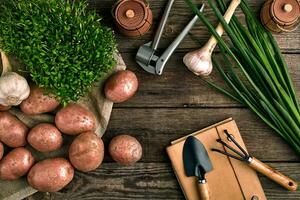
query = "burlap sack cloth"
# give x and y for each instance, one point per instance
(94, 101)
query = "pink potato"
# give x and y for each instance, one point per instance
(121, 86)
(50, 175)
(12, 131)
(38, 102)
(86, 152)
(75, 119)
(125, 149)
(1, 150)
(16, 164)
(45, 138)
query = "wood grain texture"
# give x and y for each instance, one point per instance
(170, 106)
(148, 181)
(273, 174)
(178, 87)
(179, 17)
(156, 128)
(204, 191)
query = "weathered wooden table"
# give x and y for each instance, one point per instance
(172, 105)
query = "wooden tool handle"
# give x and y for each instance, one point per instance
(203, 191)
(212, 42)
(273, 174)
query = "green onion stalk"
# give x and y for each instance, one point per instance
(260, 79)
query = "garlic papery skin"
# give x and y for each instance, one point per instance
(13, 89)
(199, 62)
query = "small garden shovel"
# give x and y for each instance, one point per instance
(197, 163)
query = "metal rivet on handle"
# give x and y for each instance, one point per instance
(254, 197)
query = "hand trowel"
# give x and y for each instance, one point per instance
(197, 163)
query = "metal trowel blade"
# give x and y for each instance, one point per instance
(195, 157)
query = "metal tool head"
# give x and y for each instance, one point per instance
(195, 158)
(240, 153)
(146, 58)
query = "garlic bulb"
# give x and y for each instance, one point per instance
(13, 89)
(199, 62)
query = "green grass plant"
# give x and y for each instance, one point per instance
(64, 47)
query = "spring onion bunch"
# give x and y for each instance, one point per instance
(260, 79)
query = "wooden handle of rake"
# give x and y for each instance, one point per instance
(274, 175)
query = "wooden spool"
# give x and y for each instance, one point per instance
(133, 17)
(280, 15)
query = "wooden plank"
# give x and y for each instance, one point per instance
(156, 128)
(178, 87)
(149, 181)
(179, 17)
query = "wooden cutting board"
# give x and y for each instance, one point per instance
(94, 101)
(230, 179)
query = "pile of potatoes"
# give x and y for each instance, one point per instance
(86, 152)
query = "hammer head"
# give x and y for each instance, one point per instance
(146, 58)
